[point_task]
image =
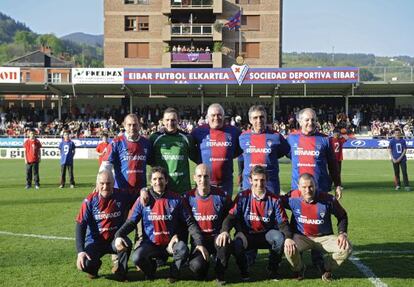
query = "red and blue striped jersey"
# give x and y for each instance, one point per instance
(129, 159)
(314, 219)
(103, 216)
(263, 149)
(313, 154)
(217, 149)
(162, 218)
(209, 211)
(258, 215)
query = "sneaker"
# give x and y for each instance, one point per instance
(245, 276)
(27, 186)
(92, 276)
(407, 188)
(72, 186)
(61, 186)
(37, 187)
(273, 273)
(300, 275)
(397, 187)
(327, 277)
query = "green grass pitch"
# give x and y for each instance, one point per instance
(381, 228)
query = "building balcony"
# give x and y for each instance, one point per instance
(215, 5)
(193, 30)
(191, 58)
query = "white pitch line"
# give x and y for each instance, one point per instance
(36, 236)
(367, 272)
(383, 252)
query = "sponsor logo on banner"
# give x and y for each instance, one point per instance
(358, 143)
(97, 75)
(9, 75)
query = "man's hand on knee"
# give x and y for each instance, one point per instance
(80, 261)
(120, 244)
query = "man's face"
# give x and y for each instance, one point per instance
(105, 185)
(215, 118)
(308, 123)
(66, 136)
(258, 121)
(258, 182)
(105, 139)
(307, 189)
(158, 182)
(202, 177)
(31, 135)
(170, 121)
(131, 126)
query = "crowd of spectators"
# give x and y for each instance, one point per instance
(84, 121)
(191, 49)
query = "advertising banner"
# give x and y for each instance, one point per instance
(234, 76)
(50, 142)
(9, 75)
(97, 75)
(373, 143)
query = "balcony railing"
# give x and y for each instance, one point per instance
(191, 29)
(191, 57)
(191, 3)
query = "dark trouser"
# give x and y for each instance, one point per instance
(272, 240)
(97, 250)
(200, 266)
(396, 166)
(29, 167)
(339, 171)
(63, 168)
(144, 256)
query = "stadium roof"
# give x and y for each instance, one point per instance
(288, 90)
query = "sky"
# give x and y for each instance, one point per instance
(380, 27)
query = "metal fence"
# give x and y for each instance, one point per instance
(387, 74)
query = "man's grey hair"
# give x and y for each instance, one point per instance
(303, 111)
(307, 176)
(257, 108)
(106, 169)
(215, 106)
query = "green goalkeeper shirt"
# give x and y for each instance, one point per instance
(172, 152)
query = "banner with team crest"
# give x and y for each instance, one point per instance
(242, 74)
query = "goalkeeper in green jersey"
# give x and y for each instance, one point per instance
(171, 149)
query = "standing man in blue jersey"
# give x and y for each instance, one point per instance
(262, 147)
(218, 145)
(261, 223)
(67, 152)
(102, 213)
(129, 155)
(209, 206)
(311, 220)
(397, 149)
(163, 221)
(311, 153)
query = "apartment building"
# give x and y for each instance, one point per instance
(191, 33)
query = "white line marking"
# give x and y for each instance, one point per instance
(36, 236)
(383, 252)
(367, 272)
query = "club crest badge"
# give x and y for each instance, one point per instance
(240, 70)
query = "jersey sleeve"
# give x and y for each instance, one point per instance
(135, 214)
(113, 156)
(84, 213)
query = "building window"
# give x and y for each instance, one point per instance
(250, 22)
(27, 76)
(249, 50)
(142, 2)
(137, 50)
(136, 23)
(54, 77)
